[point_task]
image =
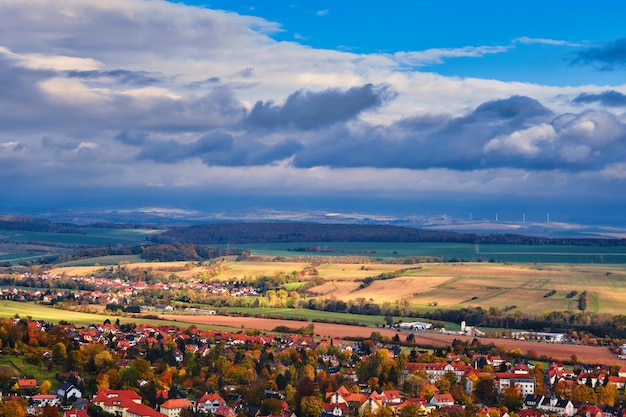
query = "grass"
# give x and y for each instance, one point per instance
(24, 368)
(311, 315)
(102, 260)
(41, 312)
(291, 286)
(91, 236)
(498, 253)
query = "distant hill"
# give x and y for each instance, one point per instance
(288, 232)
(29, 224)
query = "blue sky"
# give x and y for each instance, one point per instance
(405, 106)
(540, 38)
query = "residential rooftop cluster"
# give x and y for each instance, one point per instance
(149, 370)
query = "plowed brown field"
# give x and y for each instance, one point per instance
(585, 354)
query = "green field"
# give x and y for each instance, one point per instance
(92, 236)
(448, 251)
(311, 315)
(102, 260)
(41, 312)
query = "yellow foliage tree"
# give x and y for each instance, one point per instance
(45, 387)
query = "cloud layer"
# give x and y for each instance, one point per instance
(134, 95)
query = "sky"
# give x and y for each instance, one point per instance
(405, 107)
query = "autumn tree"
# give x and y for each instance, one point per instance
(512, 398)
(14, 407)
(271, 407)
(311, 406)
(59, 352)
(582, 392)
(45, 387)
(485, 390)
(608, 394)
(410, 410)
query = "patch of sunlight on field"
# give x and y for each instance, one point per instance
(399, 288)
(490, 283)
(341, 290)
(443, 297)
(257, 269)
(526, 301)
(356, 271)
(612, 302)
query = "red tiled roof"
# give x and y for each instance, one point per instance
(211, 398)
(75, 413)
(27, 383)
(177, 403)
(144, 411)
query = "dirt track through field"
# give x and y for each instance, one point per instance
(585, 354)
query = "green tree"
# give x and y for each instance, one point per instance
(410, 410)
(59, 352)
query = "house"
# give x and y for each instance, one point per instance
(590, 410)
(524, 382)
(393, 397)
(117, 401)
(142, 410)
(209, 403)
(44, 400)
(224, 411)
(173, 407)
(435, 370)
(75, 413)
(27, 384)
(370, 406)
(68, 390)
(442, 400)
(558, 406)
(529, 412)
(335, 410)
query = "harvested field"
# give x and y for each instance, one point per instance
(400, 288)
(340, 271)
(337, 289)
(585, 354)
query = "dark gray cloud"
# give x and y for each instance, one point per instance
(517, 132)
(141, 78)
(219, 149)
(516, 108)
(308, 110)
(203, 83)
(131, 138)
(609, 98)
(608, 56)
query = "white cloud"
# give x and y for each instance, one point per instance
(544, 41)
(525, 142)
(438, 55)
(51, 62)
(615, 171)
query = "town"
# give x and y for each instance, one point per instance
(151, 370)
